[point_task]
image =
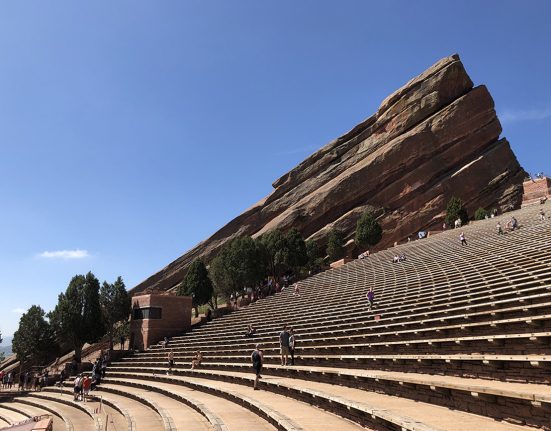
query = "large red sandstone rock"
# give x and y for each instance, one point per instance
(435, 137)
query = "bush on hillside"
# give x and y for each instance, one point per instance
(368, 230)
(335, 245)
(480, 214)
(454, 210)
(315, 256)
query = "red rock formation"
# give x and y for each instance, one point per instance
(435, 137)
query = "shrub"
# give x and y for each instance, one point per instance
(368, 230)
(335, 245)
(454, 210)
(480, 214)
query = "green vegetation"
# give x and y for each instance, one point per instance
(244, 262)
(295, 251)
(274, 246)
(84, 313)
(454, 210)
(284, 252)
(335, 245)
(122, 330)
(34, 341)
(314, 256)
(480, 214)
(239, 264)
(76, 318)
(368, 230)
(115, 305)
(197, 284)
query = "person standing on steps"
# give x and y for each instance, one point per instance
(462, 239)
(170, 362)
(292, 342)
(77, 387)
(257, 359)
(284, 345)
(370, 298)
(86, 385)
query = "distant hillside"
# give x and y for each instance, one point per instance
(5, 347)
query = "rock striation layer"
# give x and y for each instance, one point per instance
(435, 137)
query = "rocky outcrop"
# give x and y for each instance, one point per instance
(435, 137)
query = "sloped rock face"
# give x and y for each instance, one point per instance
(435, 137)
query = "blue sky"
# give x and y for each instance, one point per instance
(131, 130)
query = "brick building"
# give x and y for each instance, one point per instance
(157, 316)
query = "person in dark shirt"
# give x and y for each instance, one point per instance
(292, 343)
(284, 345)
(257, 359)
(370, 298)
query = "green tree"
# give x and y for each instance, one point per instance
(335, 245)
(115, 306)
(238, 264)
(284, 251)
(454, 210)
(34, 341)
(122, 329)
(221, 281)
(480, 214)
(315, 256)
(368, 230)
(295, 255)
(197, 284)
(274, 247)
(76, 318)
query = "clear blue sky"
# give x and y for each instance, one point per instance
(131, 130)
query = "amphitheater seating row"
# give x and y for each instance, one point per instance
(458, 339)
(460, 327)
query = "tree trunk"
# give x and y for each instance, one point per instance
(78, 353)
(196, 311)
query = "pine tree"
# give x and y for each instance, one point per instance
(115, 306)
(335, 245)
(34, 342)
(197, 284)
(77, 317)
(368, 230)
